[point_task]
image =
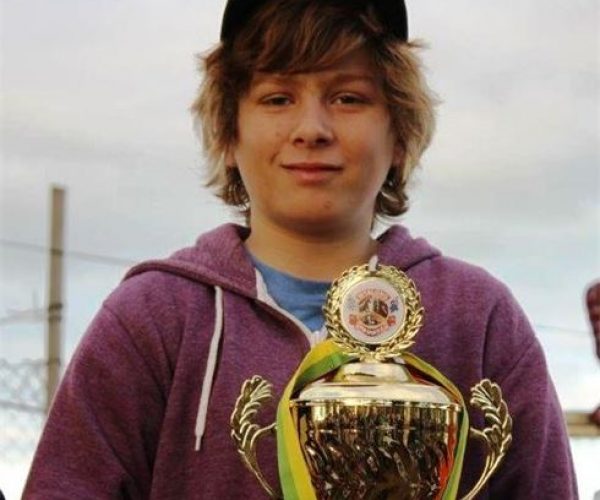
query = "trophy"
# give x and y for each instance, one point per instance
(382, 423)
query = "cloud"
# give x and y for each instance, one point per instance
(95, 97)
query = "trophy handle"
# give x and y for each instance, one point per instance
(244, 432)
(497, 436)
(486, 395)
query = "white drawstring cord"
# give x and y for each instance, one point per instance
(213, 351)
(373, 263)
(209, 373)
(263, 296)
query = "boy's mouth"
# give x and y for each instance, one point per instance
(311, 166)
(312, 172)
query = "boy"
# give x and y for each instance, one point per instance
(314, 114)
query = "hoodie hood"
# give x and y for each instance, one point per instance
(219, 258)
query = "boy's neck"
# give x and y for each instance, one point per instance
(318, 257)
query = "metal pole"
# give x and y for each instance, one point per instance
(53, 344)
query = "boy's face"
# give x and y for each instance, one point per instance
(314, 149)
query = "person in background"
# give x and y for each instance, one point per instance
(314, 115)
(592, 298)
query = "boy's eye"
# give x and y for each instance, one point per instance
(349, 99)
(276, 100)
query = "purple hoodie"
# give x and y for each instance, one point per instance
(125, 420)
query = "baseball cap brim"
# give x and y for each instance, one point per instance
(237, 12)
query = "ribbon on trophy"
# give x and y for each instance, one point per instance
(322, 359)
(371, 317)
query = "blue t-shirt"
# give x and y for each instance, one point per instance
(302, 298)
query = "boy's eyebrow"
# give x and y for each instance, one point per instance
(262, 77)
(351, 77)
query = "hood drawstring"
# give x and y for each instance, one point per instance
(263, 296)
(373, 263)
(209, 373)
(213, 351)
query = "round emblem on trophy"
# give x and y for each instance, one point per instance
(372, 311)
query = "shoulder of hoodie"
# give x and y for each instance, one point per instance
(470, 281)
(476, 309)
(166, 288)
(474, 288)
(429, 267)
(459, 287)
(476, 295)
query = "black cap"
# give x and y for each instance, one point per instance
(392, 14)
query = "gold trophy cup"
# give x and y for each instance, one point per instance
(378, 427)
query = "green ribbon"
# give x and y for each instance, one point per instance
(322, 359)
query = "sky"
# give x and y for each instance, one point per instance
(95, 97)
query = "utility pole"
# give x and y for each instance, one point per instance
(54, 341)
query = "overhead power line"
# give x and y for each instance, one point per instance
(561, 329)
(103, 259)
(107, 259)
(10, 405)
(24, 316)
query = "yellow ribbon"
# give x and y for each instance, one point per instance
(322, 359)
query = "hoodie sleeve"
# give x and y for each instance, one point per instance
(539, 462)
(101, 434)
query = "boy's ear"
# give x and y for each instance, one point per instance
(398, 155)
(229, 158)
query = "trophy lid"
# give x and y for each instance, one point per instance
(373, 313)
(374, 383)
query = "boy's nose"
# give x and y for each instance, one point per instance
(313, 126)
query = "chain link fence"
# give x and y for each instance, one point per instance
(22, 416)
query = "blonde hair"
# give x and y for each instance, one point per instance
(301, 36)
